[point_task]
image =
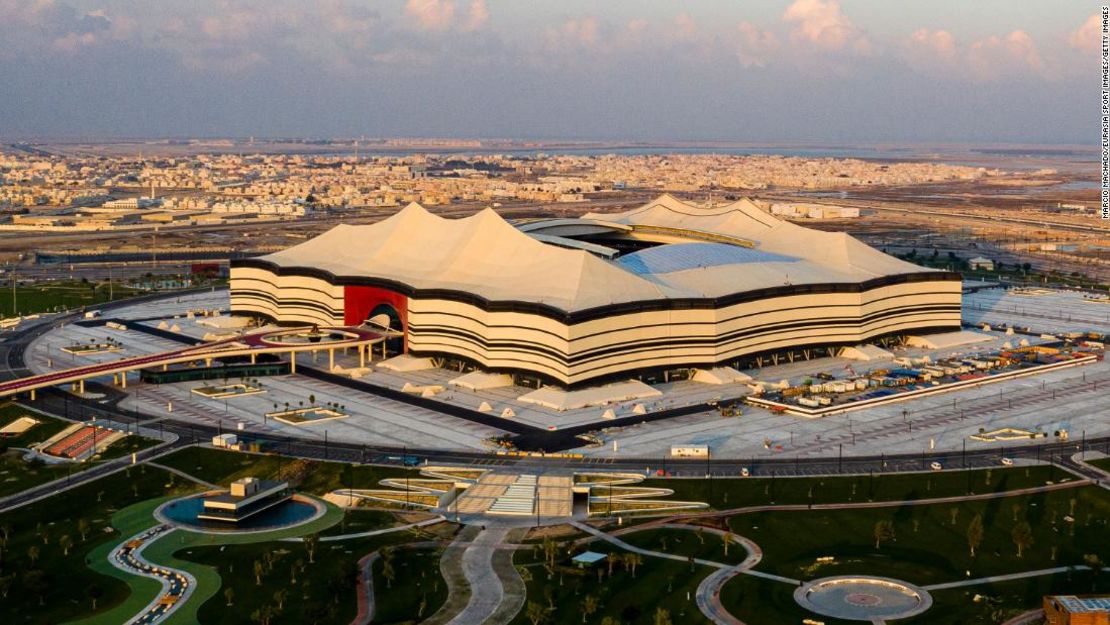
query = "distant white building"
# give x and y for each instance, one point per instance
(980, 263)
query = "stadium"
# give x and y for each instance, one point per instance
(655, 292)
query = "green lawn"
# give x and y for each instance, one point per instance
(658, 583)
(725, 493)
(357, 520)
(1004, 600)
(221, 467)
(416, 591)
(927, 547)
(51, 296)
(705, 546)
(17, 475)
(128, 522)
(53, 588)
(1102, 463)
(47, 427)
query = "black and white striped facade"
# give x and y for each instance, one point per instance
(687, 323)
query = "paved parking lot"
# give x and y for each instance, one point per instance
(1070, 399)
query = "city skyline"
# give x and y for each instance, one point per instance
(791, 71)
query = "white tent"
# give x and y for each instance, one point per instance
(485, 407)
(609, 414)
(479, 380)
(508, 413)
(720, 375)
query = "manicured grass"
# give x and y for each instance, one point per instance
(928, 548)
(17, 474)
(357, 520)
(705, 546)
(47, 427)
(128, 522)
(1102, 463)
(52, 589)
(726, 493)
(324, 591)
(1001, 601)
(758, 601)
(416, 591)
(126, 446)
(51, 296)
(222, 467)
(659, 583)
(172, 550)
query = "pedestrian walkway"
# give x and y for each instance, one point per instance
(486, 592)
(1005, 578)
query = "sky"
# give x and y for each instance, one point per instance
(806, 71)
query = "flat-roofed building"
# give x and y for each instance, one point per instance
(1077, 609)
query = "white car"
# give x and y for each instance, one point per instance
(936, 466)
(1007, 462)
(744, 472)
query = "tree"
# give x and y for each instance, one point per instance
(633, 560)
(263, 615)
(311, 399)
(884, 531)
(589, 606)
(6, 585)
(662, 617)
(536, 613)
(953, 513)
(33, 554)
(387, 566)
(726, 539)
(279, 599)
(94, 592)
(229, 594)
(611, 559)
(35, 582)
(975, 533)
(311, 542)
(258, 570)
(1022, 535)
(700, 533)
(66, 543)
(1092, 560)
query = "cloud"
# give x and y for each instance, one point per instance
(477, 16)
(988, 59)
(995, 57)
(753, 46)
(436, 15)
(822, 24)
(1088, 37)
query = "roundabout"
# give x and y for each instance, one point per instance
(863, 598)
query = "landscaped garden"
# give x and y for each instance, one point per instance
(310, 476)
(728, 493)
(45, 545)
(630, 588)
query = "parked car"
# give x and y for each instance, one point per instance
(936, 466)
(1007, 462)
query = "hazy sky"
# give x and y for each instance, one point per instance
(740, 70)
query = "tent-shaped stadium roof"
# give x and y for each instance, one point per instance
(729, 249)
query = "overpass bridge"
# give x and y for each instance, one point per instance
(281, 341)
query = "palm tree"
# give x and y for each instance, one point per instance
(536, 613)
(662, 617)
(6, 585)
(258, 570)
(310, 543)
(611, 559)
(975, 533)
(229, 594)
(66, 543)
(279, 599)
(589, 606)
(884, 530)
(33, 554)
(726, 539)
(94, 592)
(1022, 536)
